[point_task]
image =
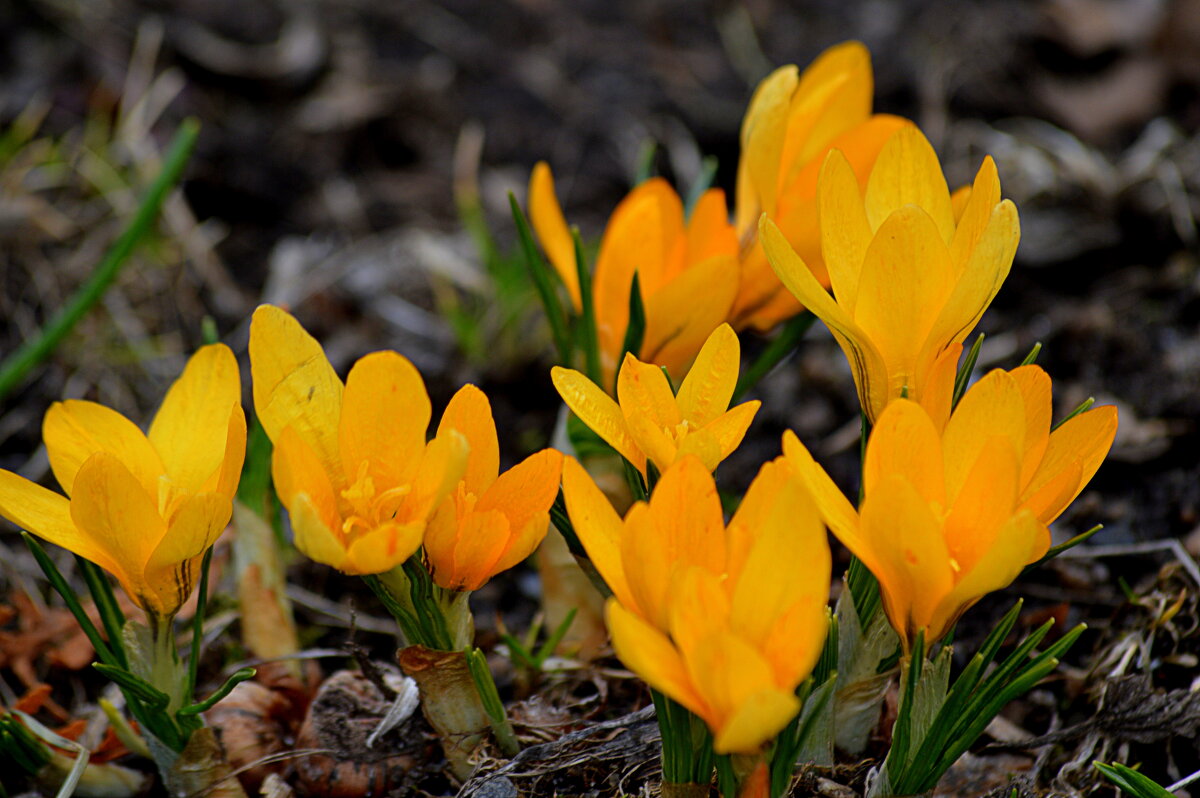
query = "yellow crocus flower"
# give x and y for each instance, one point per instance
(912, 270)
(652, 423)
(726, 620)
(792, 121)
(952, 514)
(143, 507)
(490, 521)
(687, 270)
(351, 464)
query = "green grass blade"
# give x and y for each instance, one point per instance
(17, 365)
(543, 280)
(963, 379)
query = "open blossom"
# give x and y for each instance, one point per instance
(725, 620)
(793, 120)
(652, 423)
(350, 464)
(912, 270)
(949, 515)
(143, 507)
(490, 521)
(687, 269)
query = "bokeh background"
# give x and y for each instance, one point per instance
(345, 142)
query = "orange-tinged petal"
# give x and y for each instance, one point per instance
(294, 384)
(846, 232)
(648, 556)
(481, 539)
(683, 313)
(188, 429)
(523, 541)
(905, 441)
(526, 490)
(112, 509)
(840, 516)
(1085, 440)
(441, 538)
(1003, 563)
(904, 282)
(438, 472)
(598, 411)
(599, 528)
(708, 387)
(907, 172)
(470, 412)
(385, 412)
(709, 232)
(992, 406)
(936, 393)
(551, 227)
(48, 515)
(870, 373)
(172, 568)
(296, 471)
(727, 671)
(753, 512)
(987, 499)
(1034, 384)
(794, 641)
(849, 65)
(687, 515)
(699, 606)
(647, 652)
(959, 200)
(907, 554)
(756, 721)
(1048, 502)
(75, 430)
(383, 548)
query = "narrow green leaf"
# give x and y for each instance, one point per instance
(635, 331)
(1084, 406)
(1032, 357)
(1054, 551)
(37, 348)
(588, 337)
(1133, 782)
(233, 681)
(704, 181)
(485, 685)
(780, 347)
(544, 280)
(198, 626)
(56, 579)
(963, 379)
(645, 162)
(111, 616)
(135, 686)
(555, 638)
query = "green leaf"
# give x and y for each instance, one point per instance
(60, 584)
(963, 379)
(198, 627)
(645, 162)
(1054, 551)
(545, 280)
(485, 685)
(154, 699)
(586, 331)
(1032, 357)
(635, 331)
(704, 181)
(1085, 405)
(780, 347)
(111, 616)
(38, 347)
(556, 637)
(1131, 781)
(233, 681)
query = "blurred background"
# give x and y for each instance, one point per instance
(355, 159)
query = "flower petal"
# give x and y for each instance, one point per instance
(987, 499)
(383, 548)
(709, 232)
(599, 528)
(314, 536)
(643, 391)
(112, 509)
(1084, 440)
(762, 139)
(294, 384)
(975, 215)
(526, 490)
(907, 172)
(438, 471)
(481, 540)
(385, 413)
(708, 386)
(683, 313)
(730, 428)
(1035, 387)
(870, 373)
(647, 652)
(523, 541)
(992, 406)
(190, 430)
(756, 721)
(47, 514)
(470, 412)
(598, 411)
(75, 430)
(171, 570)
(846, 232)
(905, 441)
(296, 470)
(840, 516)
(551, 227)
